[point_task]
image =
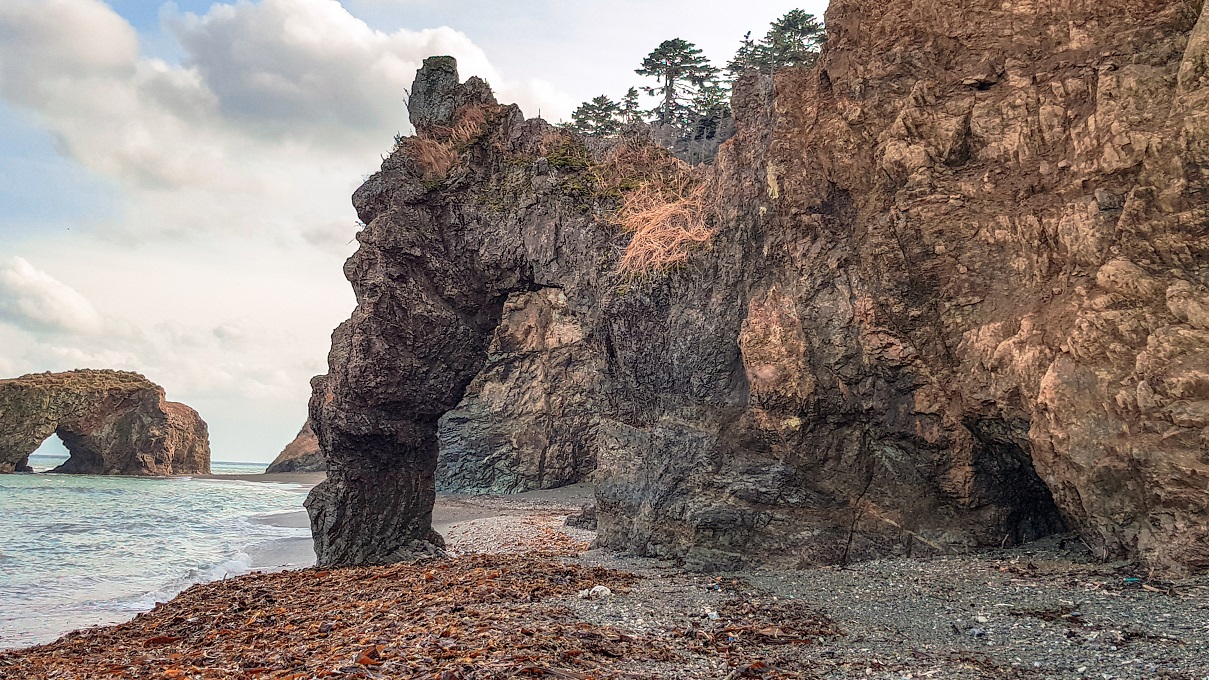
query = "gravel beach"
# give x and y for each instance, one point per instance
(1044, 610)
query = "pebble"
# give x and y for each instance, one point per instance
(595, 593)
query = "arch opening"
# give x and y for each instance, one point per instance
(50, 454)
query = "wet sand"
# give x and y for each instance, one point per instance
(306, 479)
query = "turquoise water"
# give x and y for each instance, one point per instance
(81, 550)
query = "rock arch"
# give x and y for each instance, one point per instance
(111, 422)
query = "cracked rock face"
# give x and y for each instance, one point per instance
(957, 297)
(526, 420)
(112, 423)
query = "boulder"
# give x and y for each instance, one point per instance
(112, 423)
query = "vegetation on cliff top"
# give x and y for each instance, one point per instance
(694, 95)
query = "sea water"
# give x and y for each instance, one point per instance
(79, 550)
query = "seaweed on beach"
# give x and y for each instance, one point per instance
(478, 616)
(483, 616)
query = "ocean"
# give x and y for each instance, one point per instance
(78, 551)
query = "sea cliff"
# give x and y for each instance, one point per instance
(948, 292)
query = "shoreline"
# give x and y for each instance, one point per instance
(513, 597)
(248, 551)
(515, 601)
(306, 479)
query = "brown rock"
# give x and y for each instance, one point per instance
(112, 423)
(300, 455)
(948, 303)
(526, 420)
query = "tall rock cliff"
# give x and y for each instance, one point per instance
(953, 294)
(112, 423)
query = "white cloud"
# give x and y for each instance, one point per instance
(220, 276)
(29, 296)
(276, 107)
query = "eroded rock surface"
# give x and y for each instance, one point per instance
(112, 423)
(300, 455)
(957, 297)
(527, 420)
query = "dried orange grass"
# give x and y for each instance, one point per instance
(436, 158)
(470, 123)
(666, 212)
(437, 149)
(664, 231)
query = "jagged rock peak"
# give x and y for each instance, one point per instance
(437, 94)
(112, 423)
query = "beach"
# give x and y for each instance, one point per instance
(523, 595)
(81, 550)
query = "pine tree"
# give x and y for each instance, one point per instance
(599, 117)
(795, 39)
(746, 58)
(711, 104)
(792, 40)
(681, 68)
(631, 112)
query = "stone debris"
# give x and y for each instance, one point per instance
(595, 593)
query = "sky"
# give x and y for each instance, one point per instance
(176, 176)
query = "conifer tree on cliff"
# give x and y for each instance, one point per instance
(710, 105)
(792, 40)
(630, 111)
(599, 117)
(681, 68)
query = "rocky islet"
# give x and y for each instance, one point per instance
(112, 423)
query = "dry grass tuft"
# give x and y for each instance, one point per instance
(469, 123)
(435, 158)
(664, 205)
(664, 231)
(438, 149)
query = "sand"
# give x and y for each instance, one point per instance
(306, 479)
(470, 523)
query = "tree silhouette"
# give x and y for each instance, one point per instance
(681, 68)
(599, 117)
(631, 112)
(792, 40)
(710, 105)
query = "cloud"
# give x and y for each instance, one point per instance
(273, 112)
(30, 297)
(219, 273)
